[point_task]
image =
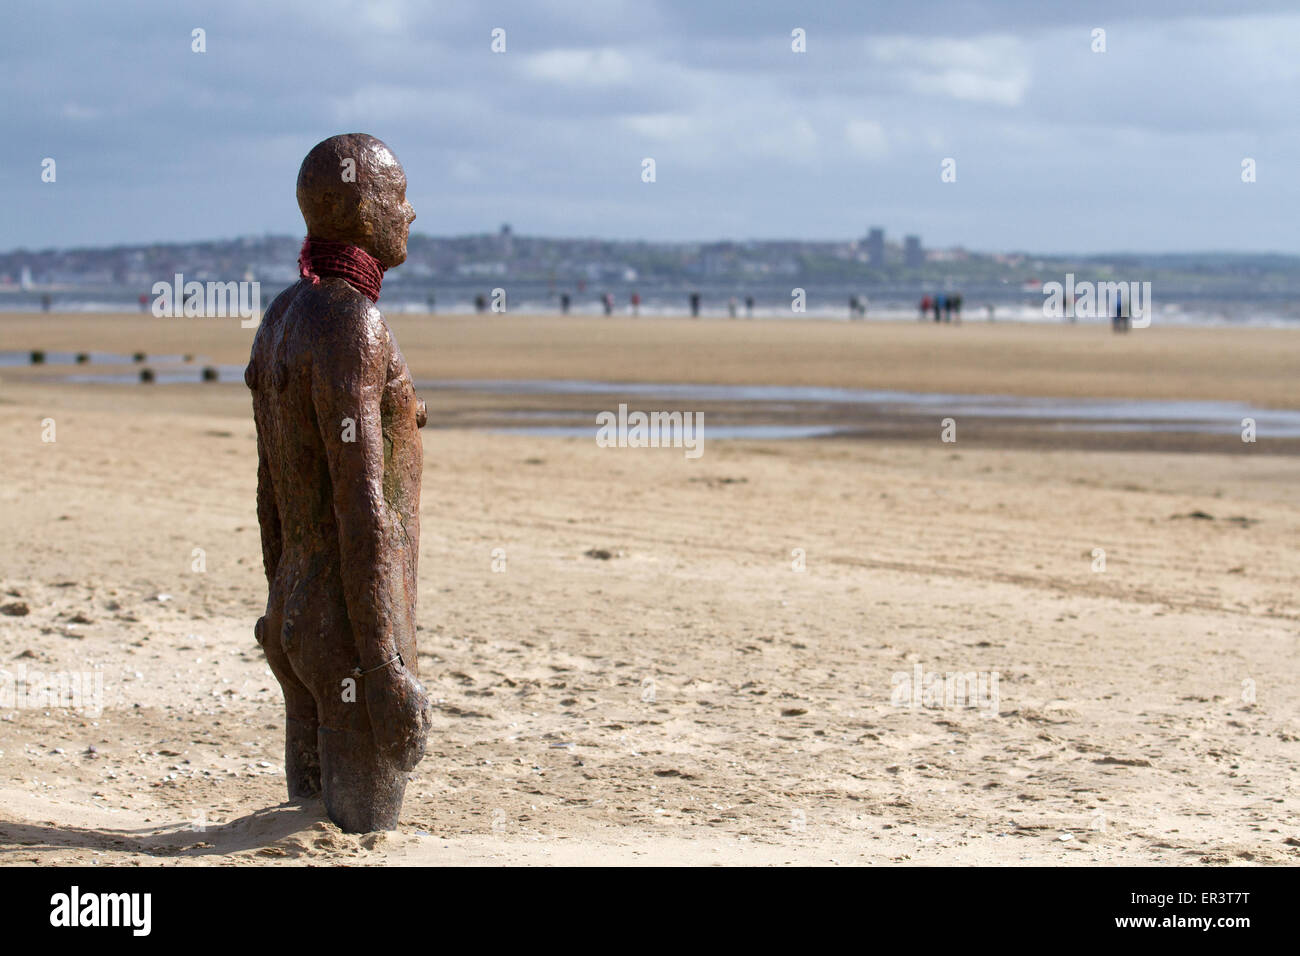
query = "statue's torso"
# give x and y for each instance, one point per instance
(291, 349)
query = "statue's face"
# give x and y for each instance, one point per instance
(386, 214)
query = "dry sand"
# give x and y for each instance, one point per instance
(691, 698)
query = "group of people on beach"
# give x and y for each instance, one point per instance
(694, 300)
(944, 307)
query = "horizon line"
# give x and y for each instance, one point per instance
(671, 242)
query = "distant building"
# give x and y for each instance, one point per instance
(507, 240)
(913, 254)
(876, 246)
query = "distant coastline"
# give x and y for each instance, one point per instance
(447, 274)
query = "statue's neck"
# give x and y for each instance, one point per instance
(320, 258)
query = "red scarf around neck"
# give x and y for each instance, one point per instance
(325, 257)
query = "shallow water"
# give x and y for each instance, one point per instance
(1131, 415)
(185, 374)
(14, 358)
(1208, 417)
(712, 431)
(167, 369)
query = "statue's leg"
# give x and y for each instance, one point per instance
(302, 755)
(301, 746)
(363, 791)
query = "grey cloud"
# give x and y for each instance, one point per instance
(1055, 145)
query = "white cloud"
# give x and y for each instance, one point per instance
(464, 171)
(387, 15)
(598, 67)
(867, 138)
(793, 139)
(988, 69)
(660, 126)
(75, 111)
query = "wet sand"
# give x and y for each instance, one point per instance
(650, 679)
(1252, 365)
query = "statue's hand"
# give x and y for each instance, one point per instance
(400, 714)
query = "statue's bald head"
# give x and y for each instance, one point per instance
(351, 188)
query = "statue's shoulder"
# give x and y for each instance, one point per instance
(344, 310)
(347, 331)
(331, 323)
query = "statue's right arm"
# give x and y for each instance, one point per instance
(348, 375)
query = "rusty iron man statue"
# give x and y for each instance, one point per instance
(338, 494)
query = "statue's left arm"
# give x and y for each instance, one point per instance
(268, 515)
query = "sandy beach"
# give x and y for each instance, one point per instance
(1232, 364)
(641, 658)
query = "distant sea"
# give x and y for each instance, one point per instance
(1001, 302)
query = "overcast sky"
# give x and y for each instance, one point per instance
(1057, 148)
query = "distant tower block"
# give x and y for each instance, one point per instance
(876, 246)
(507, 240)
(913, 254)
